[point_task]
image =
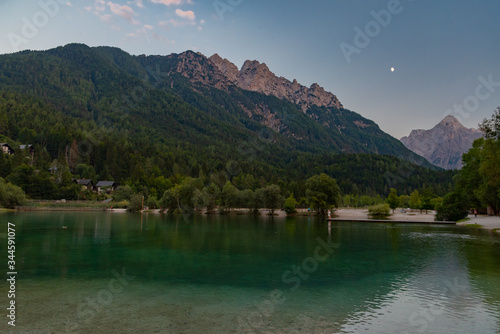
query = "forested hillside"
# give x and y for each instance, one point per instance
(100, 113)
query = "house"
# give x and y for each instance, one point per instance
(53, 169)
(6, 149)
(30, 148)
(106, 186)
(86, 184)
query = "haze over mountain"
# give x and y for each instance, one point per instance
(444, 144)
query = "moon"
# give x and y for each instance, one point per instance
(392, 69)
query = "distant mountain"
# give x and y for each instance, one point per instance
(444, 144)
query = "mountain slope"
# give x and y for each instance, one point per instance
(311, 116)
(444, 144)
(140, 118)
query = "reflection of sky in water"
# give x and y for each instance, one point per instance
(198, 275)
(438, 298)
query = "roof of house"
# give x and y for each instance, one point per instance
(105, 184)
(23, 147)
(8, 147)
(84, 182)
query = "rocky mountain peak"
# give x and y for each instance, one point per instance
(256, 76)
(451, 121)
(444, 144)
(226, 67)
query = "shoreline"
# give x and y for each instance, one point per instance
(342, 214)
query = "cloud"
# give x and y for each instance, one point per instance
(142, 32)
(176, 23)
(100, 5)
(185, 14)
(172, 2)
(162, 39)
(106, 18)
(123, 11)
(138, 3)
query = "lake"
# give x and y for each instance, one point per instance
(131, 273)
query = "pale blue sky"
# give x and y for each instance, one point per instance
(439, 49)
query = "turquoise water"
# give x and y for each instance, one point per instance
(127, 273)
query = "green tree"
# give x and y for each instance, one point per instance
(172, 199)
(491, 126)
(490, 171)
(152, 202)
(211, 195)
(415, 200)
(453, 208)
(290, 204)
(271, 197)
(393, 199)
(135, 203)
(229, 197)
(123, 193)
(426, 200)
(322, 192)
(404, 201)
(246, 199)
(479, 179)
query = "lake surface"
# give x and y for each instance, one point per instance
(132, 273)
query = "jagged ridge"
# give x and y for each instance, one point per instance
(257, 77)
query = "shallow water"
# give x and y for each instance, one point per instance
(127, 273)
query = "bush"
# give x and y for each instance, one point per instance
(11, 195)
(453, 208)
(121, 205)
(380, 210)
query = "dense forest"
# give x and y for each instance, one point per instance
(101, 114)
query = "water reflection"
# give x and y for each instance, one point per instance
(384, 278)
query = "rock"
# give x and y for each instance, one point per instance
(444, 144)
(257, 77)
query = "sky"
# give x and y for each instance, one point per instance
(444, 55)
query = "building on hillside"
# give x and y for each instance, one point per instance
(106, 186)
(53, 170)
(86, 184)
(29, 147)
(6, 148)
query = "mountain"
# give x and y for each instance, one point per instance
(444, 144)
(140, 119)
(313, 119)
(257, 77)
